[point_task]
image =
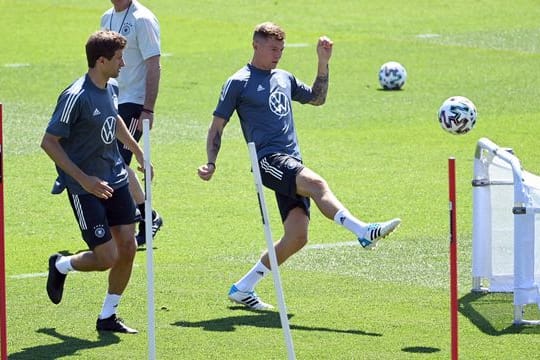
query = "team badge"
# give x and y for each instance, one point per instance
(126, 29)
(99, 231)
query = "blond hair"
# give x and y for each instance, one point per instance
(268, 30)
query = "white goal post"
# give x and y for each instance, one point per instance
(506, 245)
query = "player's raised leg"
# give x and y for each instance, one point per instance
(314, 186)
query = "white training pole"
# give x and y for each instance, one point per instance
(148, 236)
(3, 313)
(271, 251)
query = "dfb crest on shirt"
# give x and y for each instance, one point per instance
(126, 29)
(279, 103)
(108, 131)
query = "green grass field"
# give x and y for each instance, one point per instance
(383, 154)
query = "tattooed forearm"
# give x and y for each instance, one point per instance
(319, 89)
(213, 146)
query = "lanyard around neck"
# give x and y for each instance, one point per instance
(124, 19)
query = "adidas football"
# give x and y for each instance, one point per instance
(392, 75)
(457, 115)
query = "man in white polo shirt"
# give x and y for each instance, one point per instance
(138, 84)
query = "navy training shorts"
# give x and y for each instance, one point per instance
(95, 216)
(278, 172)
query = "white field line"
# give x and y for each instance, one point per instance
(297, 45)
(308, 247)
(428, 36)
(17, 65)
(43, 274)
(26, 276)
(331, 245)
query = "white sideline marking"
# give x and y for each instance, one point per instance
(427, 36)
(297, 45)
(333, 245)
(26, 276)
(16, 65)
(44, 274)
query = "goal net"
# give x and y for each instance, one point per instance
(506, 245)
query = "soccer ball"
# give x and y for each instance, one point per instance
(392, 76)
(457, 115)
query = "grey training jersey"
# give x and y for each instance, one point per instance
(85, 119)
(262, 100)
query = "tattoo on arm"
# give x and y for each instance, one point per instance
(319, 89)
(214, 146)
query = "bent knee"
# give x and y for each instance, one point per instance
(299, 240)
(107, 261)
(127, 250)
(302, 241)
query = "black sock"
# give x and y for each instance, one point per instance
(143, 213)
(141, 209)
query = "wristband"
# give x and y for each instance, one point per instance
(211, 163)
(148, 111)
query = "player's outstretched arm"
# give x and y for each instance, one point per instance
(320, 85)
(213, 144)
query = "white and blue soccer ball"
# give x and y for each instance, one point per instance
(392, 75)
(457, 115)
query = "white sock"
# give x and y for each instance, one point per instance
(109, 305)
(63, 264)
(344, 218)
(252, 278)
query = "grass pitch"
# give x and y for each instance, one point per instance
(383, 153)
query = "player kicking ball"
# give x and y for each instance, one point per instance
(262, 96)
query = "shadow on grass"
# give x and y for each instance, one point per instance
(263, 319)
(492, 313)
(68, 347)
(420, 349)
(143, 248)
(68, 253)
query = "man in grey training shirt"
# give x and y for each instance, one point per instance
(262, 97)
(81, 139)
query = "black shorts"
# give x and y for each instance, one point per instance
(95, 216)
(130, 113)
(278, 172)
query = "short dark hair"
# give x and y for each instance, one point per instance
(268, 30)
(103, 43)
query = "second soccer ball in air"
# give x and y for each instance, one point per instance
(457, 115)
(392, 75)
